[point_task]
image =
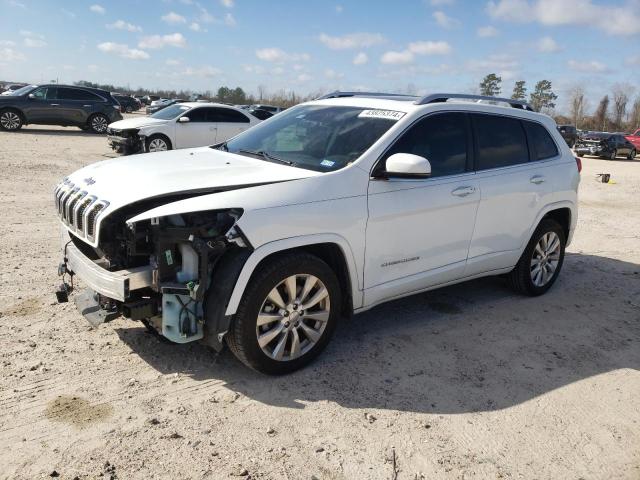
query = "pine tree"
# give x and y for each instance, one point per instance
(519, 90)
(490, 85)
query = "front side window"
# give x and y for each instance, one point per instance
(45, 93)
(197, 115)
(441, 139)
(501, 141)
(543, 145)
(316, 137)
(226, 115)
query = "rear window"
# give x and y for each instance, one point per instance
(501, 141)
(541, 142)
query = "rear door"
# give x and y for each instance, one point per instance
(199, 131)
(514, 168)
(77, 105)
(229, 122)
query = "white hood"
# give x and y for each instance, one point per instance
(126, 180)
(137, 123)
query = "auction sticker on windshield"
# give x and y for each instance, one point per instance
(384, 114)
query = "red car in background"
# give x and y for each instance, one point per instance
(635, 139)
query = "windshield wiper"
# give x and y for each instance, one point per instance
(267, 156)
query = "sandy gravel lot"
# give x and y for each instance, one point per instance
(471, 381)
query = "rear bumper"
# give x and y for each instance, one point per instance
(116, 285)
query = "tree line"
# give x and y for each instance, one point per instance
(613, 113)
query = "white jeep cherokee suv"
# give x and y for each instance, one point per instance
(332, 207)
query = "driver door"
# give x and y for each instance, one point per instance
(43, 107)
(419, 230)
(199, 131)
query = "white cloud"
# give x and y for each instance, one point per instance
(257, 69)
(586, 66)
(615, 20)
(205, 16)
(205, 71)
(122, 25)
(172, 62)
(195, 26)
(396, 58)
(633, 61)
(173, 18)
(123, 51)
(351, 40)
(304, 77)
(93, 68)
(430, 48)
(332, 74)
(229, 20)
(548, 45)
(488, 31)
(15, 3)
(277, 55)
(227, 3)
(33, 40)
(160, 41)
(339, 8)
(7, 43)
(99, 9)
(8, 54)
(441, 3)
(444, 20)
(504, 65)
(360, 59)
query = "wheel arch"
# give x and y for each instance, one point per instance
(562, 212)
(331, 248)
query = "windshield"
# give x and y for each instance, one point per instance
(171, 112)
(22, 91)
(321, 138)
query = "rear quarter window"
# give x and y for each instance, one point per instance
(542, 144)
(500, 141)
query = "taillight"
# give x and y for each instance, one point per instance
(579, 164)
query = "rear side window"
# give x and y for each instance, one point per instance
(74, 94)
(501, 141)
(441, 139)
(542, 144)
(227, 115)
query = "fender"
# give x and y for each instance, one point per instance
(267, 249)
(547, 208)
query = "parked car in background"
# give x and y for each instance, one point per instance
(182, 125)
(65, 105)
(260, 113)
(8, 89)
(158, 105)
(150, 98)
(127, 104)
(605, 145)
(634, 138)
(569, 133)
(268, 108)
(335, 206)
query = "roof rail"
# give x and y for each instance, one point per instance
(338, 94)
(443, 97)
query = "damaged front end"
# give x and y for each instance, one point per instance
(125, 141)
(174, 273)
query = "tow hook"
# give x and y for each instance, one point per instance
(63, 291)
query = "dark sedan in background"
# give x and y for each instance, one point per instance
(127, 104)
(605, 145)
(64, 105)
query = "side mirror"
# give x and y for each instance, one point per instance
(32, 96)
(407, 165)
(184, 120)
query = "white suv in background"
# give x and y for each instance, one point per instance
(332, 207)
(182, 125)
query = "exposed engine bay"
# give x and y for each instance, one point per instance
(182, 252)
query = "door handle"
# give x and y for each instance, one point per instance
(537, 179)
(55, 104)
(463, 191)
(86, 105)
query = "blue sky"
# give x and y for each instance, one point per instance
(312, 45)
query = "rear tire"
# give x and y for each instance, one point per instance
(614, 154)
(539, 266)
(10, 120)
(276, 340)
(632, 155)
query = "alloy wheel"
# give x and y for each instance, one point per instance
(99, 123)
(545, 259)
(10, 120)
(157, 145)
(614, 154)
(293, 317)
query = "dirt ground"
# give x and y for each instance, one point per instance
(471, 381)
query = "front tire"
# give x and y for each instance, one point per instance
(287, 314)
(541, 262)
(614, 154)
(10, 120)
(98, 123)
(157, 143)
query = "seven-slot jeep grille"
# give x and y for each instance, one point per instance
(77, 209)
